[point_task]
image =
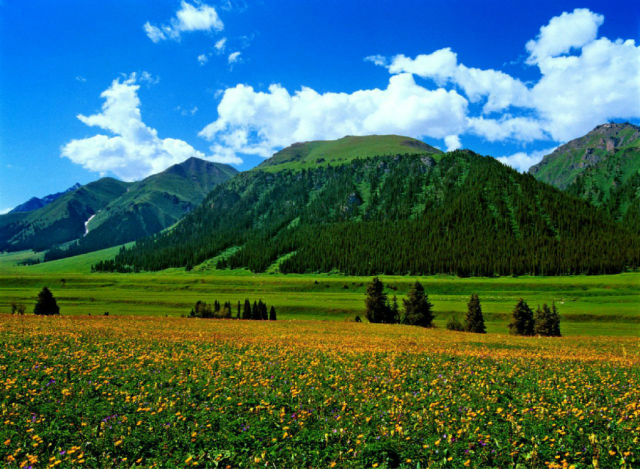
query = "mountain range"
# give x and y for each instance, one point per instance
(361, 205)
(404, 209)
(108, 212)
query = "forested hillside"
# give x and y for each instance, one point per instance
(405, 214)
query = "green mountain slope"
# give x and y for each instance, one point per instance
(149, 206)
(403, 214)
(603, 167)
(608, 155)
(60, 221)
(310, 155)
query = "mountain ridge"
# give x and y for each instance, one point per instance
(35, 203)
(109, 212)
(312, 154)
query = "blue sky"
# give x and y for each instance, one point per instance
(127, 88)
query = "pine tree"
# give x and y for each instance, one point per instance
(255, 312)
(555, 317)
(547, 321)
(395, 310)
(376, 307)
(417, 309)
(246, 313)
(272, 314)
(46, 304)
(474, 321)
(264, 313)
(522, 322)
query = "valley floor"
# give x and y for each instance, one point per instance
(589, 305)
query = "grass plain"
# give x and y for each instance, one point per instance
(589, 305)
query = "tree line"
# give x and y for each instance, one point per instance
(258, 312)
(418, 311)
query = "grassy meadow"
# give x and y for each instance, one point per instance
(589, 305)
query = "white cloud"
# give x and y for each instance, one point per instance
(452, 142)
(135, 150)
(4, 211)
(146, 77)
(188, 18)
(220, 45)
(153, 32)
(499, 89)
(202, 59)
(234, 57)
(379, 60)
(259, 123)
(81, 79)
(599, 82)
(522, 161)
(564, 33)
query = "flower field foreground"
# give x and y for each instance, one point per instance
(142, 392)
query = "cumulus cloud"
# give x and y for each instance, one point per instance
(564, 33)
(234, 57)
(522, 161)
(575, 93)
(202, 59)
(133, 150)
(452, 142)
(585, 80)
(259, 123)
(201, 17)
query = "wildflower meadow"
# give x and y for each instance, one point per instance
(135, 392)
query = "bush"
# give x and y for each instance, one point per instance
(454, 324)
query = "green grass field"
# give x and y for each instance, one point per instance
(589, 305)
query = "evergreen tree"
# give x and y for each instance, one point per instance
(46, 304)
(417, 309)
(474, 321)
(395, 310)
(255, 312)
(272, 314)
(547, 321)
(555, 316)
(522, 322)
(376, 307)
(264, 313)
(246, 313)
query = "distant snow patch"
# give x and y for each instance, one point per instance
(86, 224)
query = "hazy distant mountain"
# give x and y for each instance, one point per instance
(109, 212)
(35, 203)
(149, 206)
